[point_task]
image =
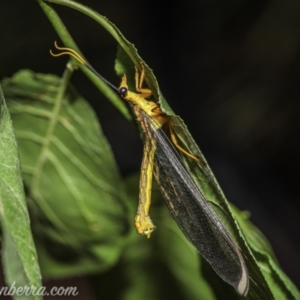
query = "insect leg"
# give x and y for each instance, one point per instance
(175, 142)
(139, 79)
(143, 222)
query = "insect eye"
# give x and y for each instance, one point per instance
(123, 92)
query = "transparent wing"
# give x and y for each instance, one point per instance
(193, 213)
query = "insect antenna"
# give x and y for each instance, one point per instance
(80, 59)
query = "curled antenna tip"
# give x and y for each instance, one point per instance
(80, 59)
(68, 51)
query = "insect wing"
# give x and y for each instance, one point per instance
(193, 213)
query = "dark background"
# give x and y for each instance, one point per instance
(230, 69)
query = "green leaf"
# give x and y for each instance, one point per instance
(202, 175)
(204, 178)
(169, 250)
(74, 191)
(165, 266)
(18, 251)
(260, 284)
(280, 284)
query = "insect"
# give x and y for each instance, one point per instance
(187, 202)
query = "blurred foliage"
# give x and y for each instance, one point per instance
(74, 192)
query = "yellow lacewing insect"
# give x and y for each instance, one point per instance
(185, 199)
